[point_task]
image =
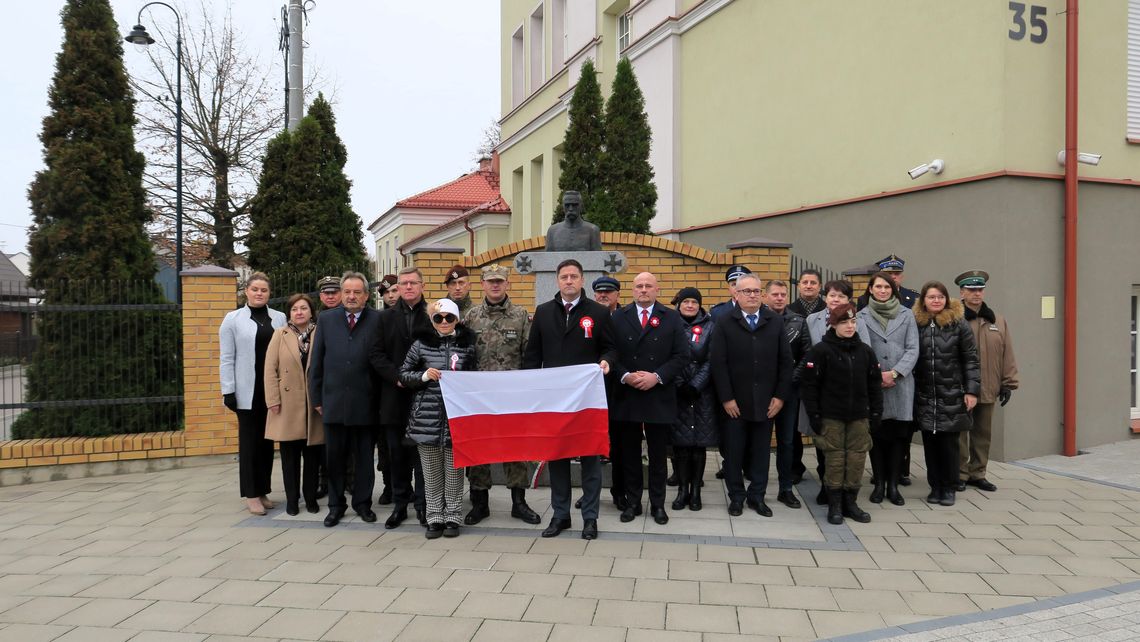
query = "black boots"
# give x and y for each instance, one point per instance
(894, 466)
(851, 509)
(519, 509)
(684, 477)
(879, 469)
(479, 509)
(696, 476)
(834, 505)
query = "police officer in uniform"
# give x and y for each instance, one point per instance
(733, 273)
(893, 265)
(500, 328)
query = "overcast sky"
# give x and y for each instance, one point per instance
(413, 83)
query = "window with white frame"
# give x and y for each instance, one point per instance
(518, 68)
(624, 21)
(537, 49)
(1134, 376)
(1133, 99)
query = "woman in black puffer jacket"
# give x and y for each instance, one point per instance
(451, 346)
(947, 382)
(695, 429)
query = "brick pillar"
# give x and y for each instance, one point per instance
(433, 261)
(767, 258)
(860, 277)
(208, 294)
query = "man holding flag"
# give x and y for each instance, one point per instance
(572, 330)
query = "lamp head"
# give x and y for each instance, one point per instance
(139, 37)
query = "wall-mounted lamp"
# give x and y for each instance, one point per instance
(1082, 157)
(936, 166)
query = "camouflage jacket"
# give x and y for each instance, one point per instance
(464, 304)
(501, 332)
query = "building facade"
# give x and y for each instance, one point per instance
(798, 120)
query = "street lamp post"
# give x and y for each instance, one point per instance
(139, 36)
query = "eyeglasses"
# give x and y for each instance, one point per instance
(750, 292)
(444, 318)
(407, 284)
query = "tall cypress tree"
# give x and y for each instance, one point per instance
(631, 196)
(302, 222)
(89, 212)
(583, 144)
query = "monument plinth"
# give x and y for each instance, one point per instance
(543, 266)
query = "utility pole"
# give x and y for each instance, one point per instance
(296, 69)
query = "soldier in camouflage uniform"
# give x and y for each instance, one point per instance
(459, 288)
(501, 330)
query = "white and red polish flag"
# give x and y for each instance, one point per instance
(526, 415)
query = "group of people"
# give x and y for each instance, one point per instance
(356, 390)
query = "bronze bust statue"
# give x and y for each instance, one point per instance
(575, 233)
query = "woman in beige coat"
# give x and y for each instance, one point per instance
(293, 422)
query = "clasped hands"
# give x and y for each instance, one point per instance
(641, 380)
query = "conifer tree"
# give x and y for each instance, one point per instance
(583, 144)
(89, 212)
(302, 222)
(630, 195)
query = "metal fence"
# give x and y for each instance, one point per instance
(88, 358)
(799, 264)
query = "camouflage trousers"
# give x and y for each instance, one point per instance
(518, 475)
(844, 446)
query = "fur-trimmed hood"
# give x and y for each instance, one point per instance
(952, 313)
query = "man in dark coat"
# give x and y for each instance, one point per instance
(571, 330)
(343, 391)
(787, 437)
(652, 351)
(752, 371)
(400, 324)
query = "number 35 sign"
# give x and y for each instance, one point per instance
(1037, 29)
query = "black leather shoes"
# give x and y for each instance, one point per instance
(961, 486)
(334, 516)
(947, 498)
(619, 502)
(788, 498)
(385, 497)
(396, 518)
(736, 509)
(659, 515)
(421, 517)
(935, 496)
(760, 507)
(434, 531)
(904, 480)
(312, 506)
(981, 484)
(451, 529)
(630, 512)
(291, 508)
(556, 527)
(578, 503)
(590, 529)
(367, 515)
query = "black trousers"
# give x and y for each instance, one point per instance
(656, 438)
(941, 451)
(747, 447)
(404, 468)
(357, 442)
(255, 452)
(300, 481)
(786, 434)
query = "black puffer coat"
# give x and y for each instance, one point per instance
(947, 369)
(840, 379)
(695, 425)
(427, 421)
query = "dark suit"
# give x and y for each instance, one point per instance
(662, 348)
(399, 325)
(342, 385)
(750, 367)
(559, 340)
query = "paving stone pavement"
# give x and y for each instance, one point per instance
(172, 555)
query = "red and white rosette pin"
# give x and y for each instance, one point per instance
(654, 322)
(587, 325)
(454, 361)
(697, 334)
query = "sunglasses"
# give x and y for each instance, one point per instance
(444, 318)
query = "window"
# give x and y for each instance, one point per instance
(623, 32)
(557, 35)
(518, 68)
(537, 49)
(1133, 99)
(1134, 377)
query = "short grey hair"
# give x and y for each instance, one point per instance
(354, 275)
(410, 270)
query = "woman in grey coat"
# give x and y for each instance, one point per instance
(244, 340)
(449, 346)
(889, 328)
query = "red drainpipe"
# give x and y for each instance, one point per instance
(1070, 380)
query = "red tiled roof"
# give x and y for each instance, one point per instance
(496, 206)
(467, 191)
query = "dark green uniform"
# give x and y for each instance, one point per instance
(501, 332)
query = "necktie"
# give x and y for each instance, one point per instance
(351, 322)
(644, 317)
(752, 321)
(569, 306)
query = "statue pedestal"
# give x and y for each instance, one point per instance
(543, 265)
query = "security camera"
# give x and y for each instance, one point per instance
(936, 166)
(1082, 157)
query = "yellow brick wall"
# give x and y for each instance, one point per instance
(210, 429)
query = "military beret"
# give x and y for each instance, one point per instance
(841, 313)
(456, 272)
